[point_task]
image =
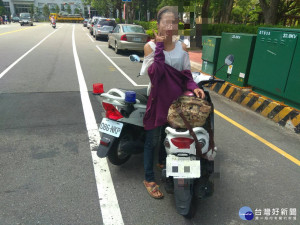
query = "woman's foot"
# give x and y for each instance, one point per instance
(153, 190)
(160, 166)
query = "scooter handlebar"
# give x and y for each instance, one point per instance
(211, 81)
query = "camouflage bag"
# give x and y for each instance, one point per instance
(195, 110)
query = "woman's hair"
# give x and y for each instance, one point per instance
(167, 9)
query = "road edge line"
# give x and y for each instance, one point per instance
(111, 213)
(257, 137)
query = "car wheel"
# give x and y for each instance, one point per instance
(117, 51)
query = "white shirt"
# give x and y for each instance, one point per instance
(177, 58)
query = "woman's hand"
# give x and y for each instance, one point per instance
(199, 93)
(158, 38)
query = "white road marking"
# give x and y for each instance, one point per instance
(90, 37)
(83, 29)
(111, 213)
(19, 59)
(121, 71)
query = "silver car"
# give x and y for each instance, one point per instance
(103, 27)
(25, 18)
(128, 37)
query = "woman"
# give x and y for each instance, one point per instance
(167, 63)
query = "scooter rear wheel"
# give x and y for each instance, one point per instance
(116, 156)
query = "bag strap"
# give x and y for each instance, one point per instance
(192, 133)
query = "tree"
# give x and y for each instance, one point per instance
(270, 10)
(2, 8)
(77, 11)
(57, 9)
(46, 10)
(69, 9)
(31, 10)
(226, 10)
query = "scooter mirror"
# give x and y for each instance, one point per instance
(134, 58)
(229, 60)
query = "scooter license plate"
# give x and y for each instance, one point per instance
(183, 167)
(111, 127)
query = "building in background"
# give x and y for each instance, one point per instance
(15, 7)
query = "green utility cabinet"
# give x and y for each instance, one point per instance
(242, 47)
(210, 51)
(275, 70)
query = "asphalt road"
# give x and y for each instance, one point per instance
(48, 174)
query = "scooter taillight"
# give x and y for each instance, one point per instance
(182, 142)
(111, 111)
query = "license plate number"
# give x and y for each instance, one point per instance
(137, 39)
(111, 127)
(183, 167)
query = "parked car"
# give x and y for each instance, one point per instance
(15, 19)
(99, 31)
(85, 22)
(103, 32)
(25, 18)
(129, 37)
(94, 21)
(89, 23)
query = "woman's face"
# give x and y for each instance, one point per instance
(168, 25)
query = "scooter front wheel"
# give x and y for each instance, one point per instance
(116, 154)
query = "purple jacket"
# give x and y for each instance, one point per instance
(167, 85)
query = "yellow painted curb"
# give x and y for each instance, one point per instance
(237, 96)
(246, 99)
(258, 103)
(269, 108)
(229, 92)
(296, 120)
(285, 111)
(222, 88)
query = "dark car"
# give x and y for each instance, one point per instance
(15, 19)
(85, 22)
(100, 23)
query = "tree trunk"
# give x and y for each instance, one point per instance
(204, 14)
(226, 11)
(270, 11)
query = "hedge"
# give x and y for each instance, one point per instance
(211, 29)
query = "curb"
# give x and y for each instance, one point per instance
(281, 114)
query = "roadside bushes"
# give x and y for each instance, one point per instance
(212, 29)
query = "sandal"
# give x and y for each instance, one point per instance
(153, 189)
(160, 166)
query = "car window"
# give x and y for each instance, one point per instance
(116, 30)
(134, 29)
(106, 22)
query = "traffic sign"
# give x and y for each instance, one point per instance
(126, 0)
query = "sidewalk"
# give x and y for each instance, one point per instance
(196, 59)
(277, 111)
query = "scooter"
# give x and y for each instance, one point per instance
(188, 170)
(122, 134)
(54, 25)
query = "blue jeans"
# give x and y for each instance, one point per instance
(151, 142)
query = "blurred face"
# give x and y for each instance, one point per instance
(168, 25)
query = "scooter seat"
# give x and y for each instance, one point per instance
(141, 94)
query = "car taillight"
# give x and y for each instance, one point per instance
(123, 37)
(182, 142)
(98, 26)
(148, 39)
(111, 111)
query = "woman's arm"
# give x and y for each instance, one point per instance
(157, 67)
